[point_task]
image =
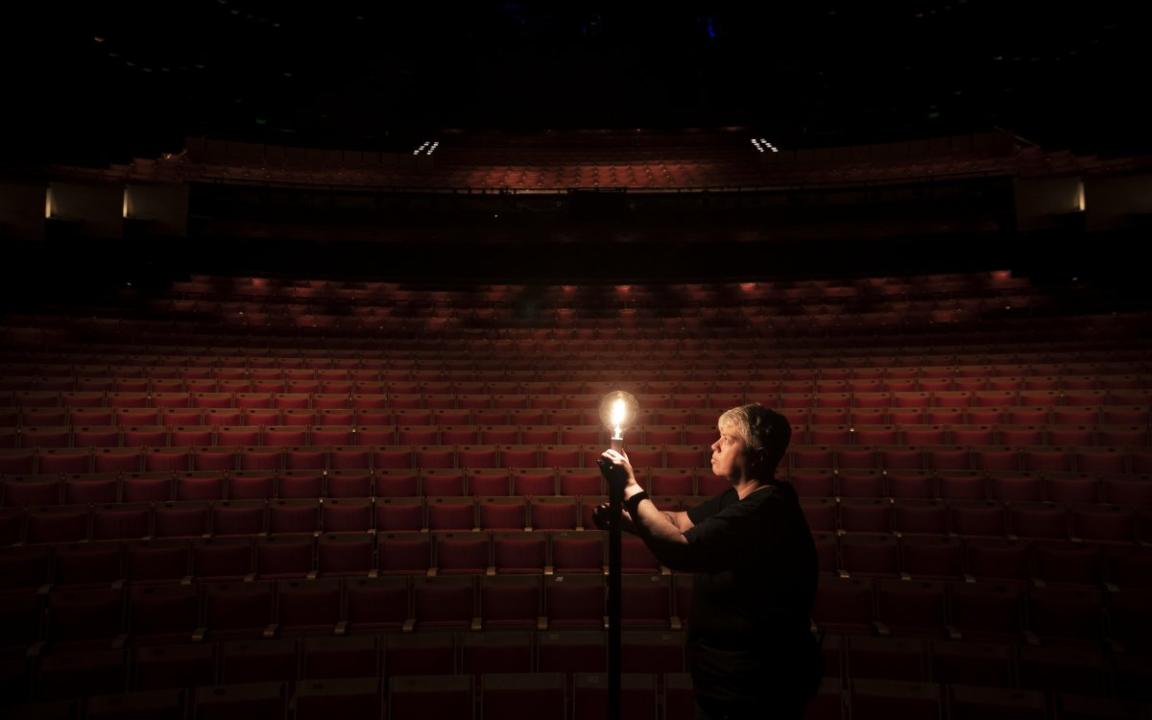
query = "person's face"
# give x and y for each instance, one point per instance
(728, 459)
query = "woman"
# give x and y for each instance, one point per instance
(750, 646)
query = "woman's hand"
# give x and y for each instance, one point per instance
(619, 459)
(601, 515)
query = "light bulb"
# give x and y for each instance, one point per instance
(618, 411)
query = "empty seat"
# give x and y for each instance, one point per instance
(240, 701)
(875, 699)
(441, 696)
(349, 697)
(85, 614)
(505, 695)
(966, 702)
(339, 657)
(575, 601)
(987, 611)
(510, 602)
(444, 602)
(886, 658)
(638, 697)
(572, 651)
(88, 564)
(264, 660)
(843, 605)
(176, 665)
(500, 651)
(377, 603)
(232, 608)
(308, 605)
(869, 554)
(431, 653)
(973, 663)
(931, 556)
(80, 672)
(646, 600)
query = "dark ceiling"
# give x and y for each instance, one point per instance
(102, 82)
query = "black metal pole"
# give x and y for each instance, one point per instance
(615, 510)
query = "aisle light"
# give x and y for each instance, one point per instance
(762, 145)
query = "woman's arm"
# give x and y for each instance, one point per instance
(677, 518)
(663, 532)
(655, 522)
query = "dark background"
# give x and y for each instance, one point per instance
(101, 82)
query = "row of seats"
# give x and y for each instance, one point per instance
(557, 419)
(977, 518)
(370, 410)
(390, 654)
(248, 549)
(986, 312)
(109, 488)
(592, 301)
(897, 328)
(302, 555)
(552, 696)
(684, 348)
(965, 351)
(979, 318)
(682, 338)
(632, 301)
(437, 369)
(1007, 338)
(257, 430)
(236, 304)
(425, 356)
(145, 613)
(272, 289)
(564, 176)
(512, 379)
(271, 427)
(1104, 463)
(277, 287)
(369, 382)
(1081, 669)
(305, 397)
(596, 301)
(456, 365)
(903, 487)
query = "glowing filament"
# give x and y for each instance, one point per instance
(619, 415)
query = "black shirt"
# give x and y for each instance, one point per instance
(755, 565)
(756, 569)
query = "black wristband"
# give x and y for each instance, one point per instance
(632, 504)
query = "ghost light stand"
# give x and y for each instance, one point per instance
(616, 478)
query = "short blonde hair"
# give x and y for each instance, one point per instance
(765, 433)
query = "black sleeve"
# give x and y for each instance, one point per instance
(709, 507)
(713, 545)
